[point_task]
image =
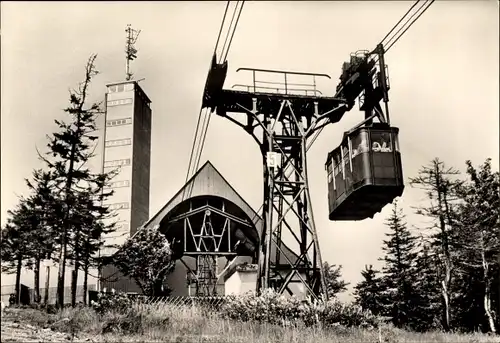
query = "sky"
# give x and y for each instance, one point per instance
(443, 74)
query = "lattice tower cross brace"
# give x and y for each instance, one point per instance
(287, 203)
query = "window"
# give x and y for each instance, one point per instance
(119, 102)
(119, 88)
(118, 142)
(359, 144)
(381, 141)
(118, 122)
(129, 87)
(337, 167)
(119, 206)
(118, 184)
(396, 142)
(117, 163)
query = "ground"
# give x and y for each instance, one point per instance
(163, 323)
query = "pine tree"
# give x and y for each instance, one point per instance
(70, 149)
(15, 236)
(439, 184)
(427, 301)
(479, 238)
(370, 292)
(399, 262)
(88, 238)
(43, 206)
(334, 282)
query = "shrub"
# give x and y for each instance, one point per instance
(116, 302)
(278, 309)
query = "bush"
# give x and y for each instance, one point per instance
(278, 309)
(112, 302)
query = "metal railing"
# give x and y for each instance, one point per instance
(283, 87)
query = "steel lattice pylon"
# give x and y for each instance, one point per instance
(288, 193)
(281, 123)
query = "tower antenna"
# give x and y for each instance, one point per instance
(130, 50)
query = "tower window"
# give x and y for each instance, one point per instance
(117, 163)
(119, 184)
(119, 206)
(112, 103)
(118, 142)
(118, 122)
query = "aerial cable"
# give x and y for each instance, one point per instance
(201, 110)
(221, 26)
(234, 30)
(208, 113)
(425, 9)
(228, 30)
(391, 41)
(400, 20)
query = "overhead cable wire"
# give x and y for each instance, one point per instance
(392, 41)
(228, 31)
(425, 9)
(223, 58)
(400, 20)
(232, 35)
(196, 152)
(188, 174)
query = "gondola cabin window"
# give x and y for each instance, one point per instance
(383, 159)
(360, 144)
(381, 142)
(338, 173)
(330, 172)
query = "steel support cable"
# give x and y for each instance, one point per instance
(228, 31)
(201, 110)
(223, 58)
(235, 25)
(428, 3)
(400, 20)
(402, 33)
(199, 116)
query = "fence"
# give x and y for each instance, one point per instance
(213, 303)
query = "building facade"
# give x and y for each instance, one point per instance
(127, 148)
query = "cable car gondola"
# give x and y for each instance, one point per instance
(364, 172)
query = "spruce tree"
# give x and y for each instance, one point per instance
(15, 238)
(478, 240)
(43, 207)
(334, 282)
(370, 292)
(439, 183)
(399, 262)
(70, 150)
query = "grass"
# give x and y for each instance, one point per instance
(167, 323)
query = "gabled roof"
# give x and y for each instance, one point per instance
(207, 181)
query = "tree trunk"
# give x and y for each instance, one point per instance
(487, 288)
(47, 284)
(85, 280)
(445, 283)
(18, 278)
(487, 308)
(74, 283)
(61, 273)
(36, 281)
(446, 300)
